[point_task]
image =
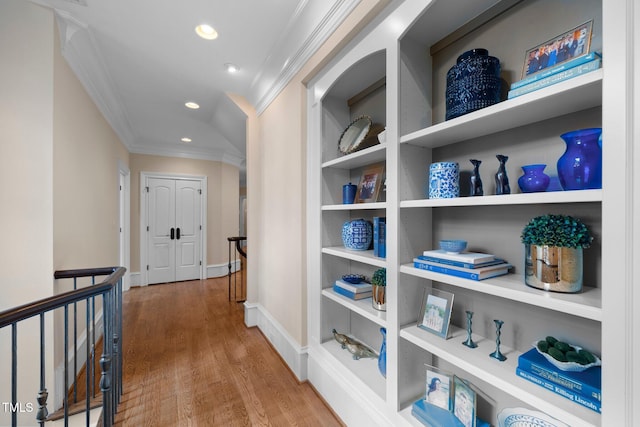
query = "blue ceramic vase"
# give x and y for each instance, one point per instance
(444, 180)
(382, 358)
(580, 167)
(349, 193)
(534, 179)
(357, 234)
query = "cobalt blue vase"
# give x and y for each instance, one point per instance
(357, 234)
(534, 179)
(382, 358)
(580, 167)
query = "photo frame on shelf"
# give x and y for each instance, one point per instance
(370, 182)
(439, 388)
(435, 312)
(564, 47)
(464, 402)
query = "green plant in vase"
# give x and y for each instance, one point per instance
(378, 288)
(553, 252)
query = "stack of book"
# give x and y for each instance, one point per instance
(354, 291)
(583, 387)
(555, 74)
(380, 236)
(468, 265)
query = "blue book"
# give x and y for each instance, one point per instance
(434, 416)
(587, 383)
(353, 287)
(379, 236)
(594, 405)
(349, 294)
(466, 273)
(459, 263)
(556, 69)
(555, 78)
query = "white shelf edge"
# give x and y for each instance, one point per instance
(366, 370)
(574, 196)
(365, 257)
(587, 304)
(359, 158)
(362, 307)
(355, 206)
(568, 96)
(501, 375)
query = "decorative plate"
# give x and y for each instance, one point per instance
(523, 417)
(568, 366)
(353, 278)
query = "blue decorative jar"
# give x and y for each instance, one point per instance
(534, 179)
(444, 180)
(382, 358)
(357, 234)
(473, 83)
(580, 167)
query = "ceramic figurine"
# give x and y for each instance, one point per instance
(502, 180)
(497, 354)
(342, 338)
(476, 182)
(469, 342)
(360, 350)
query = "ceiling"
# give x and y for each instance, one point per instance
(141, 61)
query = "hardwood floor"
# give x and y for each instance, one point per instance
(189, 360)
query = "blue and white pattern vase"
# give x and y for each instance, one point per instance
(382, 358)
(444, 180)
(473, 83)
(357, 234)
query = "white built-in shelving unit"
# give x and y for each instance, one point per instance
(410, 46)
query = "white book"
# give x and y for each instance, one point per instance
(355, 288)
(467, 257)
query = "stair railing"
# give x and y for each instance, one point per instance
(110, 289)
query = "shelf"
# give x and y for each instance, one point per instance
(501, 375)
(566, 97)
(587, 304)
(362, 307)
(355, 206)
(365, 257)
(365, 369)
(576, 196)
(358, 159)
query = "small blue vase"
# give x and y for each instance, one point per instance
(382, 358)
(580, 167)
(534, 179)
(357, 234)
(349, 193)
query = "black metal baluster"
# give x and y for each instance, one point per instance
(105, 363)
(41, 415)
(75, 346)
(14, 373)
(88, 363)
(66, 366)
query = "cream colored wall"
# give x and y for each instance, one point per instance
(276, 190)
(222, 207)
(26, 194)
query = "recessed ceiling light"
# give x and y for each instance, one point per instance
(185, 139)
(231, 68)
(206, 32)
(191, 105)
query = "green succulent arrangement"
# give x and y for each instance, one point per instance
(556, 230)
(379, 277)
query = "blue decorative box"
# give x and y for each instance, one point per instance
(433, 416)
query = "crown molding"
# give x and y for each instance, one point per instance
(195, 153)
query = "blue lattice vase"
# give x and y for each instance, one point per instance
(444, 180)
(580, 167)
(357, 234)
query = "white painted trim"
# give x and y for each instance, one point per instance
(123, 171)
(294, 355)
(135, 279)
(144, 176)
(221, 270)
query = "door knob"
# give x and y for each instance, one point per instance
(173, 231)
(178, 233)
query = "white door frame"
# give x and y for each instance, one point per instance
(124, 181)
(144, 197)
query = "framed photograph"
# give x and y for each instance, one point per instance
(464, 403)
(369, 185)
(439, 387)
(562, 48)
(436, 312)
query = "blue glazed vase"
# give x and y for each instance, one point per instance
(580, 167)
(534, 179)
(357, 234)
(444, 180)
(349, 193)
(382, 358)
(473, 83)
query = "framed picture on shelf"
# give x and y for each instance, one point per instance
(564, 47)
(369, 185)
(435, 313)
(438, 388)
(464, 403)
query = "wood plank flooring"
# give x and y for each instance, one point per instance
(189, 360)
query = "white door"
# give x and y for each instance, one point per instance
(173, 229)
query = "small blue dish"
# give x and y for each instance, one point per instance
(453, 246)
(353, 278)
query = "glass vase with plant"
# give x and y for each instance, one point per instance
(378, 288)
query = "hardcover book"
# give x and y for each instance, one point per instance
(458, 263)
(379, 236)
(556, 69)
(356, 288)
(352, 295)
(555, 78)
(466, 273)
(587, 383)
(467, 257)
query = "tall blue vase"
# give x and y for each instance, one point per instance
(580, 167)
(382, 358)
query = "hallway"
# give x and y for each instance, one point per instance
(189, 360)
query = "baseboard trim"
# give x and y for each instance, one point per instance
(213, 271)
(294, 355)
